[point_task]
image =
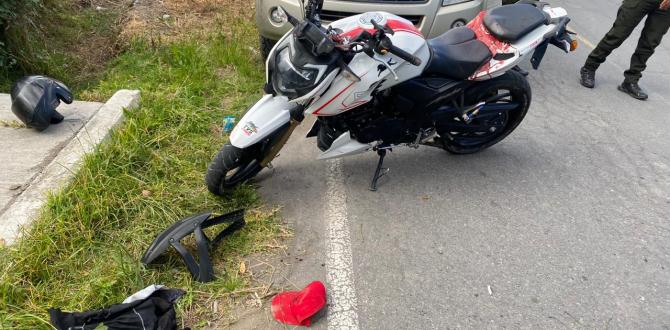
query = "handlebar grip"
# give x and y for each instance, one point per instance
(404, 55)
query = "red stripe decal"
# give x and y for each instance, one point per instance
(336, 96)
(333, 99)
(395, 25)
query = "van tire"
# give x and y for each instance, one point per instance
(266, 46)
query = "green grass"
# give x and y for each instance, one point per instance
(83, 252)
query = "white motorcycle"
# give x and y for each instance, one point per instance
(375, 83)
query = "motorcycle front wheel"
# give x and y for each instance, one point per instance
(488, 129)
(231, 167)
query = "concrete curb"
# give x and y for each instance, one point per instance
(60, 170)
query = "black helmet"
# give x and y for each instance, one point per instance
(35, 99)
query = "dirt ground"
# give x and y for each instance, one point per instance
(156, 20)
(174, 19)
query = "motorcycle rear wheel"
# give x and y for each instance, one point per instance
(494, 127)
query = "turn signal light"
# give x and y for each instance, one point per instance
(573, 45)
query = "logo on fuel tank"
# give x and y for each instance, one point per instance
(366, 18)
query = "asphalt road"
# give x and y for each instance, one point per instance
(565, 224)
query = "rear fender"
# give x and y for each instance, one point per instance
(268, 115)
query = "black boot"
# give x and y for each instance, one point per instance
(588, 77)
(634, 90)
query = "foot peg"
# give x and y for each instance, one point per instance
(380, 171)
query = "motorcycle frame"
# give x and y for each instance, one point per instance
(271, 112)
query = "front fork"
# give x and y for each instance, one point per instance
(297, 117)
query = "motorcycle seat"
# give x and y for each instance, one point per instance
(456, 54)
(510, 23)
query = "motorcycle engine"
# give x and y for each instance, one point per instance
(388, 130)
(373, 122)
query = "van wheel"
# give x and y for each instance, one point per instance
(266, 46)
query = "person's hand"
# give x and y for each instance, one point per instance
(665, 4)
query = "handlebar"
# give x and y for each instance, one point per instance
(385, 44)
(321, 42)
(404, 55)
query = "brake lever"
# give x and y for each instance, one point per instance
(376, 58)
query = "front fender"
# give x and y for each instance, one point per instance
(266, 116)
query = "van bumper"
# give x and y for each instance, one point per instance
(430, 17)
(452, 16)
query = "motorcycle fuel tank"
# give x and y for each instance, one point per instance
(344, 94)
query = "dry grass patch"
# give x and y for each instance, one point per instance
(170, 20)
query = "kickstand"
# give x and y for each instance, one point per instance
(380, 171)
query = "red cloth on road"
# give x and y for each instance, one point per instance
(297, 307)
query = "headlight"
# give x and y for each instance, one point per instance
(277, 15)
(288, 78)
(453, 2)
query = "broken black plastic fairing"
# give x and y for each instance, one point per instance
(202, 272)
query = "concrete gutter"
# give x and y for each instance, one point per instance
(27, 206)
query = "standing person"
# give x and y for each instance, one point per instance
(629, 16)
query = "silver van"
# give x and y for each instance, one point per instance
(432, 17)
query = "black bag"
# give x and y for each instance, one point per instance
(149, 309)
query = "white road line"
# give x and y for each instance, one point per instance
(342, 312)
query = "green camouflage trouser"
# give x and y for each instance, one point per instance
(629, 16)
